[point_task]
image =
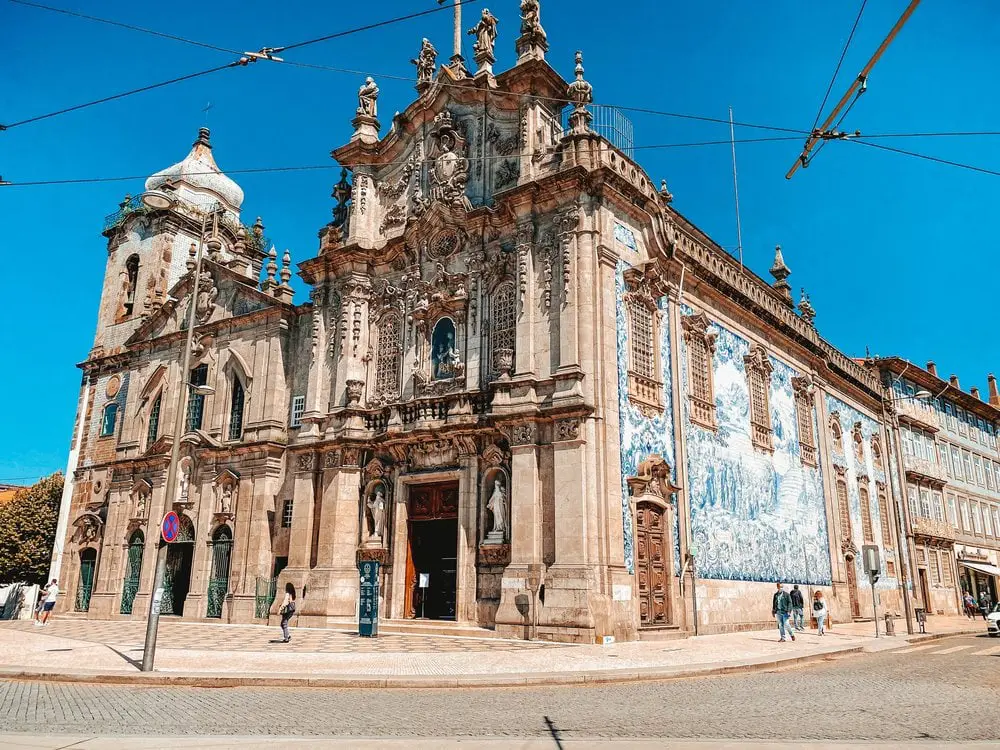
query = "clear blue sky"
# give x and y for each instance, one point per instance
(898, 254)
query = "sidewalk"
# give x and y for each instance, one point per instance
(231, 655)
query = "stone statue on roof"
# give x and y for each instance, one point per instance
(368, 98)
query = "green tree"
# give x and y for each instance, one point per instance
(28, 530)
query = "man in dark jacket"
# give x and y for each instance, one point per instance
(798, 608)
(781, 606)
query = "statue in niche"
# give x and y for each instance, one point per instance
(368, 98)
(497, 505)
(141, 499)
(184, 481)
(426, 62)
(486, 35)
(205, 299)
(445, 357)
(226, 498)
(376, 509)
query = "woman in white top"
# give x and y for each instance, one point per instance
(819, 611)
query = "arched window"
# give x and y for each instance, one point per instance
(236, 411)
(843, 507)
(836, 433)
(503, 314)
(876, 454)
(154, 419)
(866, 515)
(218, 584)
(196, 401)
(699, 337)
(883, 512)
(803, 388)
(131, 280)
(388, 359)
(645, 384)
(758, 369)
(109, 419)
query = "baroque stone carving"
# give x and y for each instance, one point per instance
(368, 98)
(506, 174)
(433, 453)
(652, 477)
(532, 34)
(520, 434)
(304, 462)
(394, 216)
(486, 36)
(567, 429)
(354, 389)
(449, 173)
(493, 455)
(332, 459)
(567, 222)
(206, 296)
(426, 63)
(351, 457)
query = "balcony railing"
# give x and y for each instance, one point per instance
(924, 469)
(913, 412)
(932, 528)
(127, 207)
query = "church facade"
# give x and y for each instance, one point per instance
(544, 401)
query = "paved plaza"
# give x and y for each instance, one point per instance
(225, 655)
(945, 691)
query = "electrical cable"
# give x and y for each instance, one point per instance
(123, 94)
(337, 165)
(836, 72)
(936, 159)
(129, 26)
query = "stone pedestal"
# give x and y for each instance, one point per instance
(366, 129)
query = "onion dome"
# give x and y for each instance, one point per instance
(198, 178)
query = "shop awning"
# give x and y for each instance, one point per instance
(990, 570)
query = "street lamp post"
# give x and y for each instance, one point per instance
(159, 200)
(902, 514)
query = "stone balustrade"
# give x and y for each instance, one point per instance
(909, 411)
(921, 468)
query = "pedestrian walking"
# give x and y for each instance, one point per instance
(819, 611)
(798, 608)
(985, 604)
(781, 607)
(970, 605)
(51, 592)
(286, 611)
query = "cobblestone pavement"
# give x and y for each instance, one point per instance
(128, 635)
(948, 690)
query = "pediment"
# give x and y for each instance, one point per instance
(221, 293)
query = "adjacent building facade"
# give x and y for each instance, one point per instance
(543, 400)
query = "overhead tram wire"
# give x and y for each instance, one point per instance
(927, 157)
(840, 62)
(245, 57)
(337, 165)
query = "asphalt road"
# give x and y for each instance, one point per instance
(946, 691)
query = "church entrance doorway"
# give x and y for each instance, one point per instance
(432, 551)
(852, 588)
(650, 564)
(177, 581)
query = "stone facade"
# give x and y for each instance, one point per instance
(520, 373)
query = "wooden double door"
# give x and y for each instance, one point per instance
(432, 551)
(652, 567)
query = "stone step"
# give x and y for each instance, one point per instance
(435, 627)
(663, 633)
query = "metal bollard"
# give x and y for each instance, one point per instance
(890, 626)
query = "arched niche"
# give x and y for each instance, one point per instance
(496, 515)
(375, 513)
(446, 360)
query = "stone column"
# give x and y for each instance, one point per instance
(315, 407)
(468, 535)
(398, 541)
(567, 614)
(524, 347)
(516, 609)
(569, 288)
(300, 538)
(334, 582)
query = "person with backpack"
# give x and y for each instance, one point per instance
(798, 609)
(819, 611)
(287, 610)
(781, 607)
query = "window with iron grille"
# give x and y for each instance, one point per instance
(866, 516)
(883, 512)
(804, 419)
(947, 574)
(236, 411)
(699, 340)
(844, 509)
(196, 401)
(758, 370)
(388, 358)
(935, 565)
(837, 433)
(154, 419)
(503, 315)
(642, 353)
(286, 514)
(298, 409)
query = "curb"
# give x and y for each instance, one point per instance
(583, 677)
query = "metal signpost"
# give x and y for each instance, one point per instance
(170, 527)
(873, 567)
(368, 604)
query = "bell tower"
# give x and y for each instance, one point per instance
(149, 237)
